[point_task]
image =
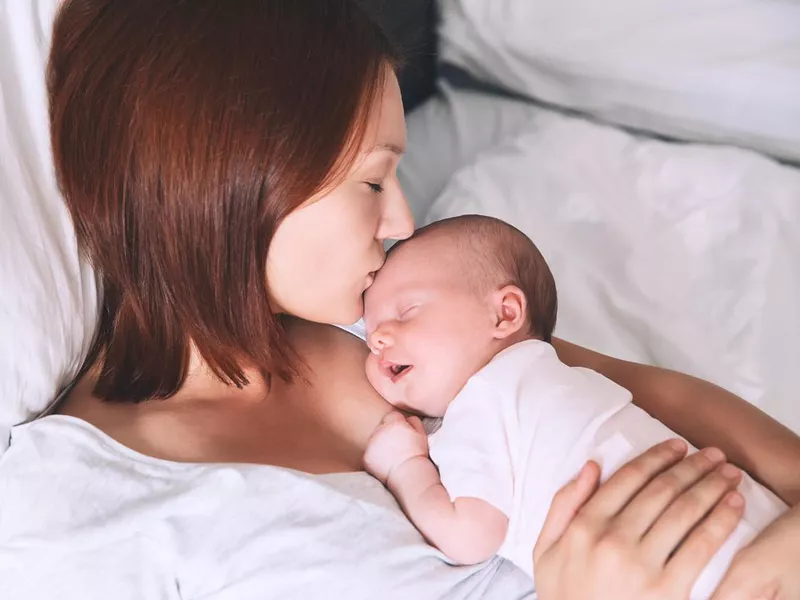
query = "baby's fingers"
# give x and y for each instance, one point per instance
(416, 423)
(393, 417)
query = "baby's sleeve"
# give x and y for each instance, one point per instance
(472, 449)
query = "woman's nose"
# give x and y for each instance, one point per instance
(397, 222)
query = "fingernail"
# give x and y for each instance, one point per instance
(583, 472)
(735, 500)
(677, 445)
(580, 473)
(714, 454)
(729, 471)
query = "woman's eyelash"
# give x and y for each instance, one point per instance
(375, 187)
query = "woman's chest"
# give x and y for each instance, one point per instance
(292, 436)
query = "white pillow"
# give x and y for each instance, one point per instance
(684, 256)
(447, 132)
(701, 70)
(48, 296)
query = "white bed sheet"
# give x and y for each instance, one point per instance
(685, 256)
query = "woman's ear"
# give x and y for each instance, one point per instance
(510, 309)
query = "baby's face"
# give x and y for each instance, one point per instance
(428, 331)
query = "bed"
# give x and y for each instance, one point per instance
(649, 148)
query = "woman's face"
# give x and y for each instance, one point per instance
(323, 254)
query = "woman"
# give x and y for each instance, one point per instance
(230, 169)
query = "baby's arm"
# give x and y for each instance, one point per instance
(468, 530)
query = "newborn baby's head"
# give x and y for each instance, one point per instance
(446, 301)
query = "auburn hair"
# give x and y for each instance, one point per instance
(182, 134)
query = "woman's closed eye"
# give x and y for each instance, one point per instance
(375, 187)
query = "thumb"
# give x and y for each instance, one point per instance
(416, 423)
(567, 502)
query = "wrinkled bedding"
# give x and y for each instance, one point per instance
(685, 256)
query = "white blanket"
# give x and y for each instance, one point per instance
(685, 256)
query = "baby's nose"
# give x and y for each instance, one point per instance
(379, 340)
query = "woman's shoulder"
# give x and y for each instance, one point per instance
(330, 353)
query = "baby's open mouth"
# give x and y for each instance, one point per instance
(394, 371)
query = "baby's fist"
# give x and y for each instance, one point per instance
(395, 441)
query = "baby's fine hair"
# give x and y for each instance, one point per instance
(497, 254)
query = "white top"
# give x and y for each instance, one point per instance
(524, 426)
(83, 518)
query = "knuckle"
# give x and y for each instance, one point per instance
(718, 484)
(581, 531)
(667, 484)
(715, 530)
(702, 497)
(708, 541)
(692, 505)
(612, 548)
(635, 470)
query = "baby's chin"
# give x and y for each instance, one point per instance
(431, 406)
(421, 407)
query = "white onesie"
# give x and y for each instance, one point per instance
(524, 426)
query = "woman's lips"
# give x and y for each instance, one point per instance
(371, 275)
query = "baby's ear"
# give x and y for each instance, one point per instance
(510, 311)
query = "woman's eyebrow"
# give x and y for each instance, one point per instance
(399, 150)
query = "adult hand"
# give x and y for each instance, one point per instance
(769, 567)
(396, 440)
(646, 533)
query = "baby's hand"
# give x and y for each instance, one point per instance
(395, 441)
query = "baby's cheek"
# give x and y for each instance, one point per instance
(371, 369)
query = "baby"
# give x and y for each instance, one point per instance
(459, 322)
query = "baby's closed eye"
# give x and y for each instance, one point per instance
(408, 312)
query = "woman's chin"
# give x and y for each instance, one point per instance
(349, 313)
